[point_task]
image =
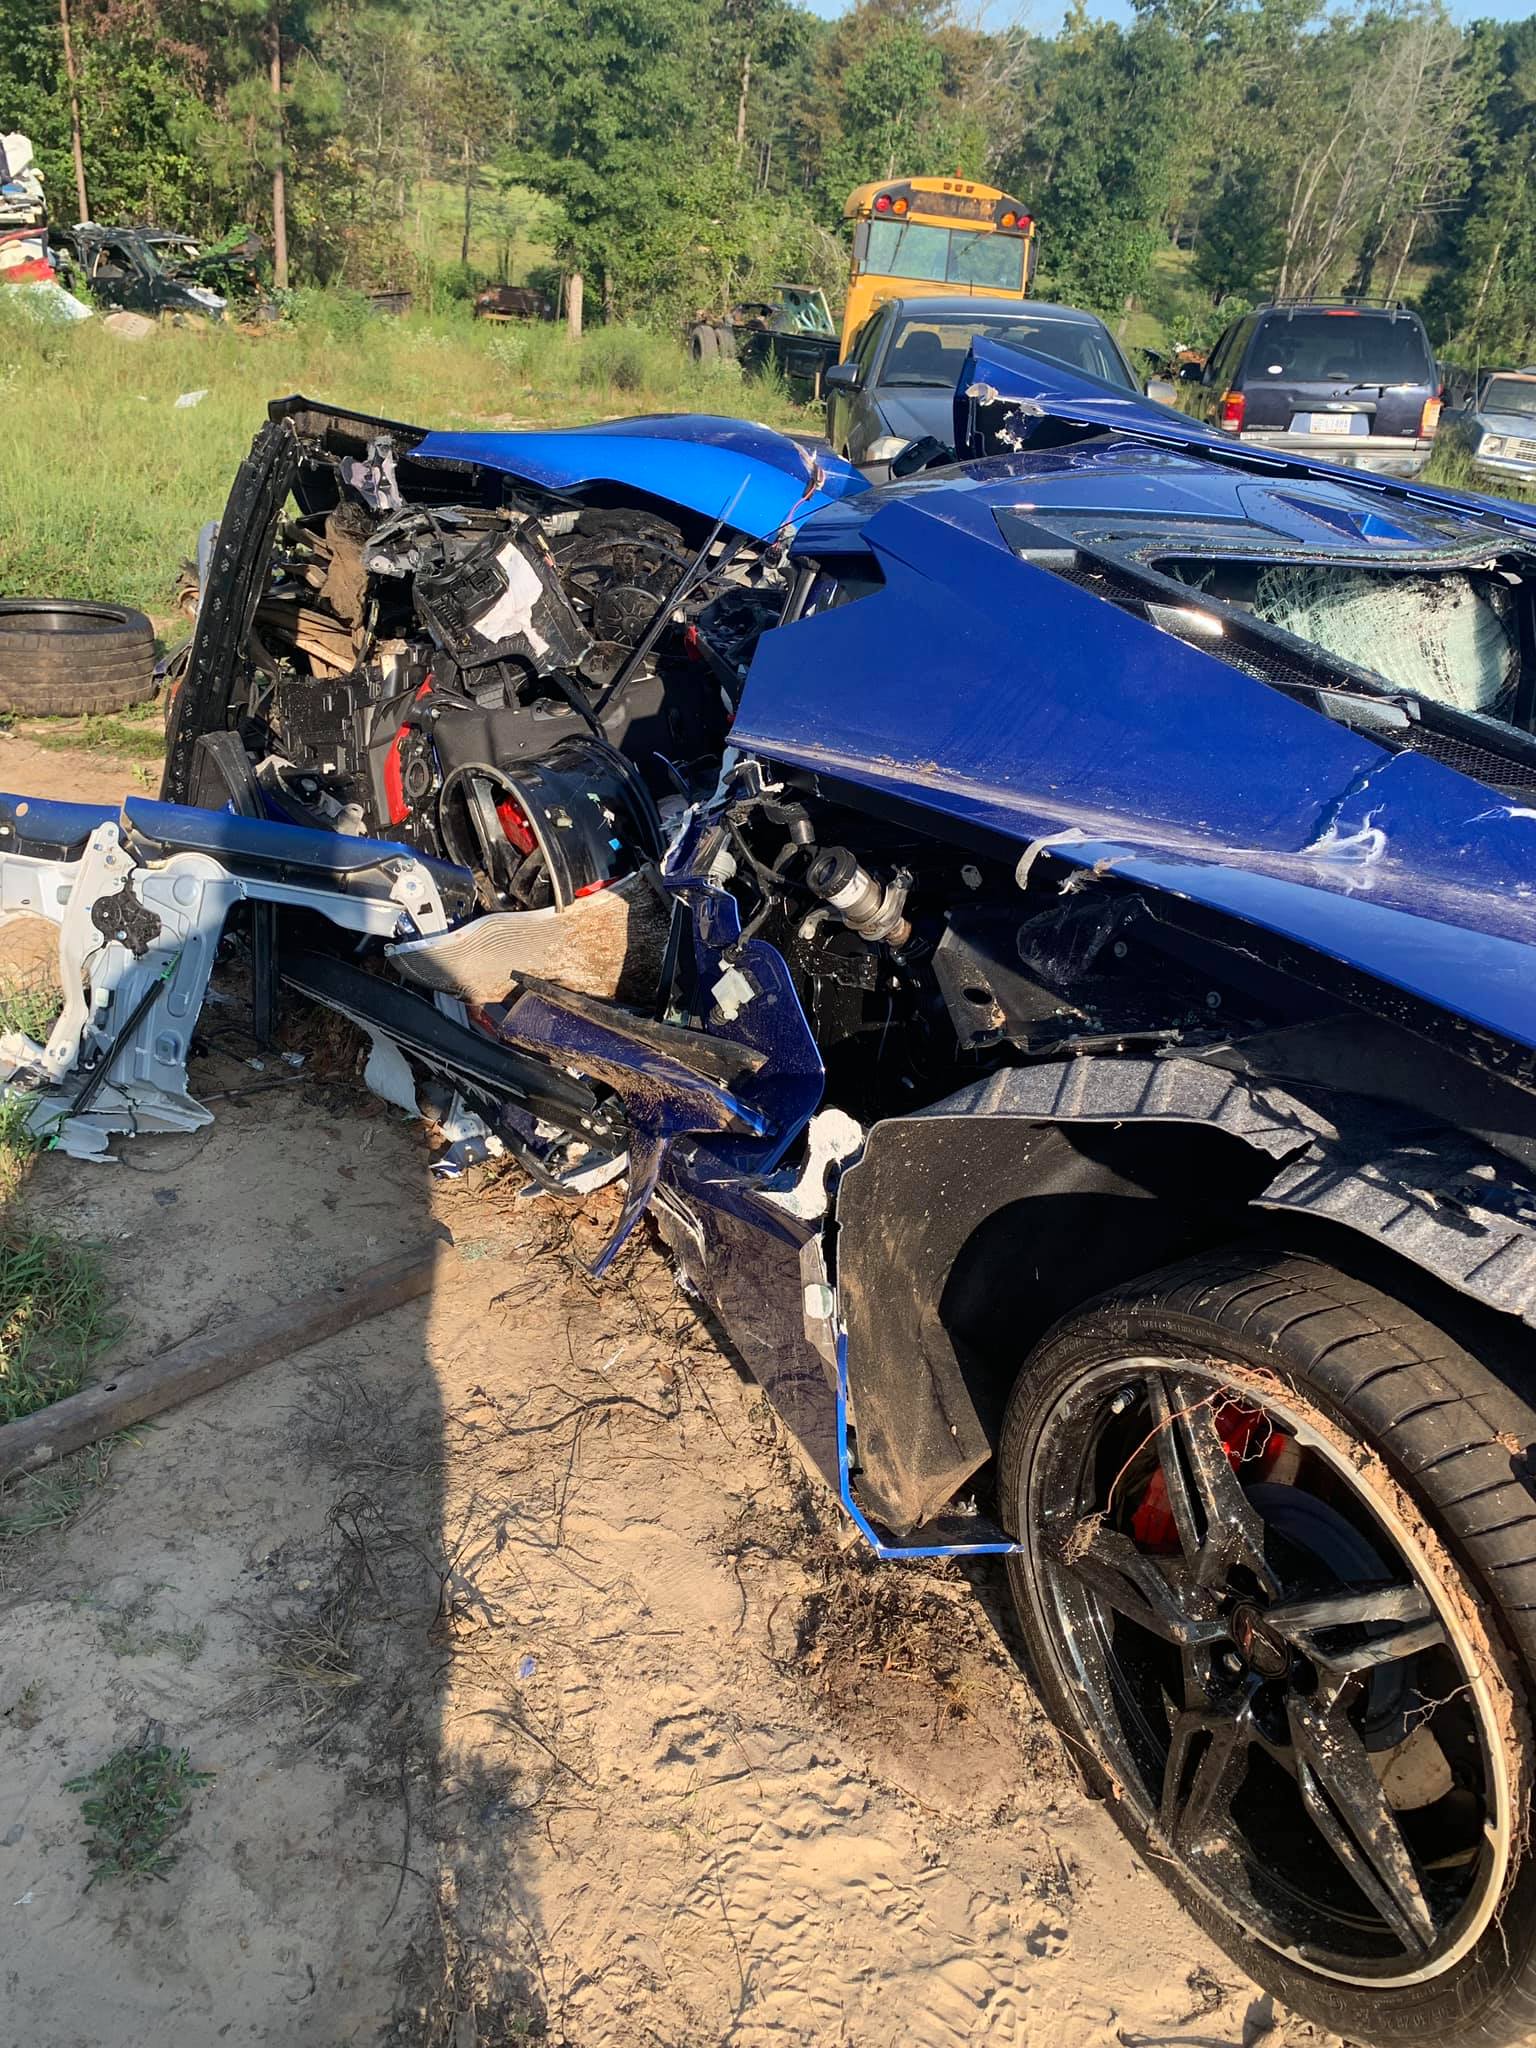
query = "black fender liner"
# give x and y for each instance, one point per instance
(965, 1230)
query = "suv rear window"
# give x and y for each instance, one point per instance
(1329, 348)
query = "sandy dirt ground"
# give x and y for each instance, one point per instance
(542, 1696)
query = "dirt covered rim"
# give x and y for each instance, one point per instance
(1277, 1663)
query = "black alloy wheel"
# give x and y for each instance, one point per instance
(1251, 1594)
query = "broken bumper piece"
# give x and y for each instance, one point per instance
(140, 898)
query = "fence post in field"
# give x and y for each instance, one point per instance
(279, 179)
(573, 305)
(73, 74)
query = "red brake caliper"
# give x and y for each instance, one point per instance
(1252, 1444)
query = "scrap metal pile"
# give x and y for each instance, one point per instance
(23, 215)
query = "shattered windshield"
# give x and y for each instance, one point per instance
(1450, 637)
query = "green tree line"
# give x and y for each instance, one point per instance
(1206, 154)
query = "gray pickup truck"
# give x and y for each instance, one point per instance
(1493, 419)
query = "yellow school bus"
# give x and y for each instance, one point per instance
(933, 236)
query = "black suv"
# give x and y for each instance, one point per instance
(1352, 383)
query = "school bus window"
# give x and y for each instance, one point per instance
(900, 248)
(932, 255)
(995, 262)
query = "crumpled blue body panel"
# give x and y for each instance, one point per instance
(1044, 390)
(1044, 387)
(1012, 706)
(756, 479)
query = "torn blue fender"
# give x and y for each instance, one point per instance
(660, 1072)
(742, 1087)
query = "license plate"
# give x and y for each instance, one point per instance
(1334, 422)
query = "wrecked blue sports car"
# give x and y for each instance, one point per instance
(1051, 943)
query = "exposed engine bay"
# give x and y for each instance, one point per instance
(519, 683)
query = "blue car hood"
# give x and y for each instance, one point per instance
(1016, 708)
(1017, 396)
(997, 378)
(756, 479)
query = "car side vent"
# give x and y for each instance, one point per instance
(1269, 663)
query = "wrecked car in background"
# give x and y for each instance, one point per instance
(1492, 418)
(1050, 943)
(513, 302)
(138, 270)
(790, 335)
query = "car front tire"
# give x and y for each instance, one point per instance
(1278, 1585)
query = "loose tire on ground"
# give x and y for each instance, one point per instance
(1376, 1441)
(59, 658)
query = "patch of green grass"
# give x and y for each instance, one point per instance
(18, 1145)
(53, 1315)
(135, 1803)
(137, 734)
(53, 1312)
(106, 482)
(39, 1502)
(126, 1632)
(29, 1007)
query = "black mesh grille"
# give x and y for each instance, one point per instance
(1513, 778)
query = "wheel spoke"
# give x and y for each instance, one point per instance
(1234, 1529)
(1181, 1500)
(1345, 1800)
(1406, 1608)
(1194, 1793)
(1132, 1584)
